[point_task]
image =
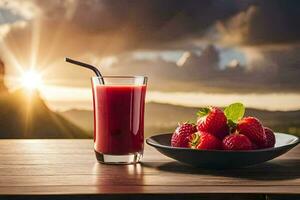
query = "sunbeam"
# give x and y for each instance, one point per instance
(35, 42)
(11, 58)
(32, 80)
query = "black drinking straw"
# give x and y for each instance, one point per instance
(91, 67)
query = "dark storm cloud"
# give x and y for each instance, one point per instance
(116, 26)
(264, 23)
(140, 23)
(277, 71)
(108, 26)
(99, 28)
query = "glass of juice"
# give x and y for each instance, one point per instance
(119, 104)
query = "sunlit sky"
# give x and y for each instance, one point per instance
(224, 46)
(64, 98)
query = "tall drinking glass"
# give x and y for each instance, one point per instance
(119, 103)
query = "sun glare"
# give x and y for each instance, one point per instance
(31, 80)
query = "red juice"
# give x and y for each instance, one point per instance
(119, 119)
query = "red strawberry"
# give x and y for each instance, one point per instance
(203, 140)
(253, 129)
(180, 137)
(236, 141)
(254, 146)
(213, 120)
(270, 141)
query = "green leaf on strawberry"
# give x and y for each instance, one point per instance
(203, 112)
(234, 112)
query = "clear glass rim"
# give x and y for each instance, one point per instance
(119, 80)
(145, 77)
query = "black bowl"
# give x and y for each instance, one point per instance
(219, 158)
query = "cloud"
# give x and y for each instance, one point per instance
(106, 32)
(266, 71)
(201, 66)
(263, 24)
(111, 27)
(19, 8)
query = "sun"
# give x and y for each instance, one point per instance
(31, 80)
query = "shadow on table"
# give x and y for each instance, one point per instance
(273, 170)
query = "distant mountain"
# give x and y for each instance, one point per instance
(164, 118)
(24, 115)
(83, 118)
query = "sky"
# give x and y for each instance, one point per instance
(219, 50)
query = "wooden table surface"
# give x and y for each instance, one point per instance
(68, 167)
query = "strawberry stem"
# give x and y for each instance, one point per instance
(232, 125)
(203, 112)
(194, 141)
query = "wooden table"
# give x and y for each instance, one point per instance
(68, 170)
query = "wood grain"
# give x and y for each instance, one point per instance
(61, 167)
